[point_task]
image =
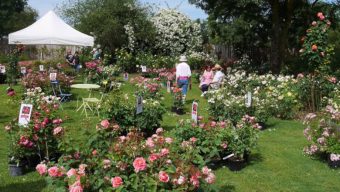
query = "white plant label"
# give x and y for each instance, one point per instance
(143, 68)
(53, 76)
(25, 114)
(23, 70)
(248, 99)
(139, 105)
(194, 111)
(41, 67)
(168, 86)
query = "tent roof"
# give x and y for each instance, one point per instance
(50, 30)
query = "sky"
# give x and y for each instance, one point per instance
(43, 6)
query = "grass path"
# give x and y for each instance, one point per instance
(277, 164)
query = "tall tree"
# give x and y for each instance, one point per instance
(9, 14)
(107, 20)
(266, 21)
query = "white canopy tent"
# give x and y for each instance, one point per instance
(50, 30)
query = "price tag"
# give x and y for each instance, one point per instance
(53, 76)
(25, 114)
(168, 86)
(194, 111)
(248, 99)
(143, 68)
(139, 104)
(23, 70)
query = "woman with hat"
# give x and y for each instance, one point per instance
(218, 77)
(183, 74)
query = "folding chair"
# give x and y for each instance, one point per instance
(92, 103)
(63, 96)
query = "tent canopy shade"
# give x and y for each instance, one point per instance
(50, 30)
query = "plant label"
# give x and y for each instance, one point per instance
(143, 68)
(126, 76)
(41, 67)
(139, 105)
(2, 69)
(25, 114)
(53, 76)
(248, 99)
(168, 86)
(194, 111)
(23, 70)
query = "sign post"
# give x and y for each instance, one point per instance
(139, 104)
(248, 99)
(25, 114)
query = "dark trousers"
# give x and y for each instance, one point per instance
(204, 88)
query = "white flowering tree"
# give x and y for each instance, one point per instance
(176, 33)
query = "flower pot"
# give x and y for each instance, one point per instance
(236, 164)
(15, 170)
(179, 111)
(333, 164)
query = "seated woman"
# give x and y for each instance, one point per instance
(218, 77)
(206, 79)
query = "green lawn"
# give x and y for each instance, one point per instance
(277, 164)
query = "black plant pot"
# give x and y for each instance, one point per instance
(179, 111)
(15, 170)
(236, 164)
(333, 164)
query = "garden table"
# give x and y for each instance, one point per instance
(85, 105)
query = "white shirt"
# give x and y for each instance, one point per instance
(218, 78)
(183, 70)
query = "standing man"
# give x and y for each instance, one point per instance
(69, 57)
(183, 76)
(76, 61)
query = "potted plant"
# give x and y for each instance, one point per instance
(243, 139)
(178, 105)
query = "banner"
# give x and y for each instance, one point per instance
(139, 104)
(25, 114)
(194, 111)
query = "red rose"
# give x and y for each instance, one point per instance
(314, 47)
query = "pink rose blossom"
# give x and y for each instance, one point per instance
(53, 171)
(94, 152)
(159, 131)
(57, 130)
(168, 140)
(81, 170)
(150, 143)
(105, 123)
(76, 187)
(122, 139)
(163, 177)
(153, 157)
(181, 180)
(314, 23)
(116, 182)
(41, 168)
(224, 145)
(213, 124)
(211, 178)
(206, 170)
(71, 172)
(164, 152)
(107, 163)
(193, 139)
(139, 164)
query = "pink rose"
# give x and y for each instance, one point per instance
(224, 145)
(206, 170)
(181, 180)
(168, 140)
(53, 171)
(159, 131)
(107, 163)
(76, 188)
(193, 139)
(210, 179)
(116, 182)
(222, 124)
(163, 177)
(81, 170)
(213, 124)
(41, 168)
(105, 123)
(94, 152)
(164, 152)
(314, 23)
(71, 172)
(153, 157)
(150, 143)
(57, 130)
(139, 164)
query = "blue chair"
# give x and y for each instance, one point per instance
(56, 88)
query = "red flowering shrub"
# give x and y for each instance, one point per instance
(43, 133)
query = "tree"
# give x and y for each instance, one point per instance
(14, 15)
(107, 20)
(267, 23)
